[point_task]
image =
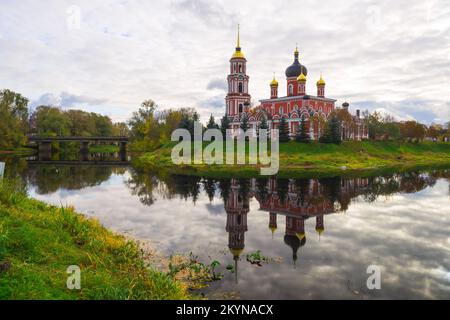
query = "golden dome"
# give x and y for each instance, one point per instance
(236, 252)
(273, 229)
(301, 77)
(238, 54)
(274, 82)
(320, 230)
(301, 236)
(321, 82)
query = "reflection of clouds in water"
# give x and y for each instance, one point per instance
(215, 209)
(405, 234)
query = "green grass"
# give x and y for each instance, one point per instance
(316, 159)
(39, 242)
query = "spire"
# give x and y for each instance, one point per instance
(296, 52)
(238, 53)
(273, 229)
(321, 82)
(236, 270)
(238, 45)
(274, 81)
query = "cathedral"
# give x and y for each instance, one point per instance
(296, 104)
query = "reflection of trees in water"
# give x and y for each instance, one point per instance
(332, 188)
(143, 186)
(147, 185)
(337, 191)
(48, 179)
(282, 188)
(184, 186)
(210, 186)
(262, 190)
(14, 166)
(302, 187)
(410, 182)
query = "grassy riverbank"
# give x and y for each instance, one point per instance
(316, 159)
(38, 242)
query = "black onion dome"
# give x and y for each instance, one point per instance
(295, 243)
(296, 68)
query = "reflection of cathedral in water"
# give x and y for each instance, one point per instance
(296, 200)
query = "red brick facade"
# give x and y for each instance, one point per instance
(296, 104)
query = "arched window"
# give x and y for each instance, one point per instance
(240, 108)
(240, 87)
(280, 110)
(291, 89)
(240, 68)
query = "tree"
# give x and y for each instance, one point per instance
(284, 131)
(224, 125)
(82, 124)
(244, 123)
(302, 134)
(188, 118)
(51, 122)
(141, 120)
(332, 132)
(263, 126)
(412, 131)
(391, 130)
(212, 123)
(103, 126)
(374, 124)
(121, 129)
(434, 131)
(335, 130)
(13, 119)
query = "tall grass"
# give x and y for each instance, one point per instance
(38, 242)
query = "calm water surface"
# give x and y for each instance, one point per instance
(319, 234)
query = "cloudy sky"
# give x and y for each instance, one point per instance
(109, 56)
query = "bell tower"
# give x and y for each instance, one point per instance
(238, 99)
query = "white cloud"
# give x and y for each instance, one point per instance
(172, 51)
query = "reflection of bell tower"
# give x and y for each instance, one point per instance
(237, 208)
(295, 235)
(320, 227)
(273, 222)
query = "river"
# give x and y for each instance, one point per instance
(317, 237)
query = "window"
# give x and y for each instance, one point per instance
(240, 68)
(240, 87)
(240, 108)
(280, 110)
(291, 89)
